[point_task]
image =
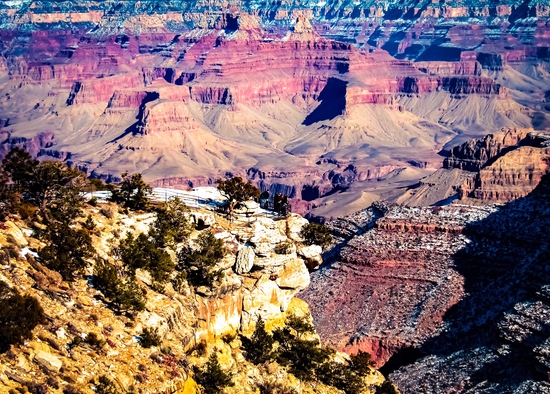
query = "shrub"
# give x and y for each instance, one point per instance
(124, 295)
(19, 315)
(259, 348)
(273, 387)
(171, 225)
(235, 189)
(94, 341)
(199, 348)
(149, 338)
(96, 184)
(316, 234)
(300, 325)
(67, 251)
(386, 388)
(89, 224)
(199, 263)
(140, 252)
(26, 210)
(93, 201)
(104, 385)
(132, 192)
(284, 247)
(341, 376)
(211, 377)
(362, 362)
(109, 211)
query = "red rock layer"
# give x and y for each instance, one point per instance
(392, 286)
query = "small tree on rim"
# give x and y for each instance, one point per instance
(237, 189)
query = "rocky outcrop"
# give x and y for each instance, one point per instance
(474, 154)
(390, 287)
(260, 279)
(509, 165)
(503, 317)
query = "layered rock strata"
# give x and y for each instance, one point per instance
(391, 286)
(509, 164)
(503, 318)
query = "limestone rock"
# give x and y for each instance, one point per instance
(294, 275)
(294, 226)
(48, 361)
(245, 260)
(312, 256)
(11, 230)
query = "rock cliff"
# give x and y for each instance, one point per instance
(257, 281)
(503, 316)
(391, 277)
(185, 94)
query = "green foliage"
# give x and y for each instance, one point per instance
(89, 224)
(362, 363)
(149, 338)
(211, 377)
(259, 348)
(67, 249)
(104, 385)
(9, 198)
(19, 166)
(199, 263)
(93, 201)
(386, 388)
(302, 356)
(124, 295)
(93, 340)
(284, 247)
(237, 189)
(307, 360)
(96, 184)
(341, 376)
(274, 387)
(132, 192)
(51, 186)
(300, 325)
(316, 234)
(140, 252)
(172, 225)
(19, 315)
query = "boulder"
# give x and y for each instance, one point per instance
(10, 229)
(245, 260)
(312, 256)
(263, 248)
(294, 227)
(294, 275)
(48, 361)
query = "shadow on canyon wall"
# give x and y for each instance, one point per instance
(332, 102)
(506, 263)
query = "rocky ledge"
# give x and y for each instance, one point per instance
(261, 278)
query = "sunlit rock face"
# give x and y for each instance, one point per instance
(305, 99)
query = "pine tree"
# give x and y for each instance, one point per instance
(172, 224)
(235, 189)
(132, 192)
(68, 250)
(19, 315)
(199, 264)
(141, 252)
(259, 348)
(212, 378)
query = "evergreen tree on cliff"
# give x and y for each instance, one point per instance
(235, 189)
(132, 192)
